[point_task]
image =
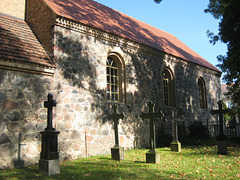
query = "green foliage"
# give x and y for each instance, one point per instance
(198, 133)
(194, 135)
(158, 1)
(227, 116)
(201, 162)
(228, 12)
(164, 140)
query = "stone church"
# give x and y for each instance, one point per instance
(89, 57)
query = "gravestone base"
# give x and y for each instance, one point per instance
(49, 167)
(117, 153)
(18, 163)
(152, 157)
(222, 147)
(176, 146)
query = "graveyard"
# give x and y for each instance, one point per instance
(215, 158)
(199, 162)
(88, 92)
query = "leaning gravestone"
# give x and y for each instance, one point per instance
(176, 116)
(152, 156)
(221, 138)
(19, 162)
(49, 163)
(15, 127)
(117, 152)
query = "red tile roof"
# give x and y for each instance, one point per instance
(19, 44)
(97, 15)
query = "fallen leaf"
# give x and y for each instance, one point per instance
(237, 175)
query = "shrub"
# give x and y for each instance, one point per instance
(198, 132)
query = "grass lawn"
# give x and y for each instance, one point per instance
(192, 163)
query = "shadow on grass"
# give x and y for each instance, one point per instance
(140, 162)
(172, 166)
(207, 150)
(94, 170)
(168, 150)
(106, 158)
(114, 170)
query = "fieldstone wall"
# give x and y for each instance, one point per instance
(81, 90)
(79, 87)
(83, 106)
(21, 111)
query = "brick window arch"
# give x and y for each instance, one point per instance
(168, 88)
(202, 94)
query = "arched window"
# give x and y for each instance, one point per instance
(168, 88)
(114, 79)
(202, 94)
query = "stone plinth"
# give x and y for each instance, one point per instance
(19, 163)
(49, 167)
(152, 157)
(49, 145)
(176, 146)
(222, 147)
(117, 153)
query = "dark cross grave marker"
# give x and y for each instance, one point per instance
(152, 156)
(49, 104)
(117, 152)
(221, 138)
(176, 116)
(49, 163)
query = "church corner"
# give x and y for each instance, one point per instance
(88, 69)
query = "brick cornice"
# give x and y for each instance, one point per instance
(86, 29)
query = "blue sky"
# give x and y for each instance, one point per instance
(185, 19)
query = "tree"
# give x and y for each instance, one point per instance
(158, 1)
(228, 12)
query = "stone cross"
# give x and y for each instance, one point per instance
(115, 117)
(220, 112)
(176, 116)
(151, 116)
(49, 104)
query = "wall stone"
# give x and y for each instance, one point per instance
(78, 86)
(21, 107)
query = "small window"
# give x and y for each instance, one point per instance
(112, 80)
(202, 94)
(168, 88)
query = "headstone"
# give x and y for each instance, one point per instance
(49, 163)
(176, 116)
(152, 156)
(19, 162)
(117, 152)
(15, 127)
(221, 138)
